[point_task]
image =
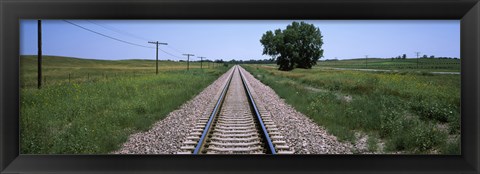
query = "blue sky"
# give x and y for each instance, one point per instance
(237, 39)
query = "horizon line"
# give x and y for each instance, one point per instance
(153, 59)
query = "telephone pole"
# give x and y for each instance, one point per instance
(157, 43)
(208, 63)
(418, 54)
(366, 57)
(39, 56)
(188, 60)
(201, 60)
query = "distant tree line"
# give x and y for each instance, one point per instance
(402, 57)
(252, 61)
(214, 61)
(233, 61)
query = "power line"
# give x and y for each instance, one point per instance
(110, 37)
(135, 36)
(170, 54)
(173, 48)
(117, 30)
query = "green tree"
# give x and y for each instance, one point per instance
(297, 46)
(404, 56)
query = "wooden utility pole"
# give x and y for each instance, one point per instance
(208, 63)
(418, 54)
(157, 43)
(366, 57)
(201, 62)
(188, 60)
(39, 56)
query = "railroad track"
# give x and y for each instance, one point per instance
(237, 124)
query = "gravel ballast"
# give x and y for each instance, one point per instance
(166, 135)
(302, 134)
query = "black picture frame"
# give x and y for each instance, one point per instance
(11, 11)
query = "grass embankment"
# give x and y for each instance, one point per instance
(411, 112)
(422, 64)
(94, 115)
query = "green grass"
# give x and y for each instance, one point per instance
(58, 69)
(424, 64)
(412, 112)
(96, 115)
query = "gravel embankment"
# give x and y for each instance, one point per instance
(300, 132)
(166, 136)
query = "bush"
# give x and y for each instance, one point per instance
(424, 137)
(334, 86)
(390, 123)
(415, 136)
(434, 109)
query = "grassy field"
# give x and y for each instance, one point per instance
(102, 103)
(64, 69)
(424, 64)
(409, 112)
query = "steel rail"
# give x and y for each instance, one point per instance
(212, 116)
(269, 144)
(271, 148)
